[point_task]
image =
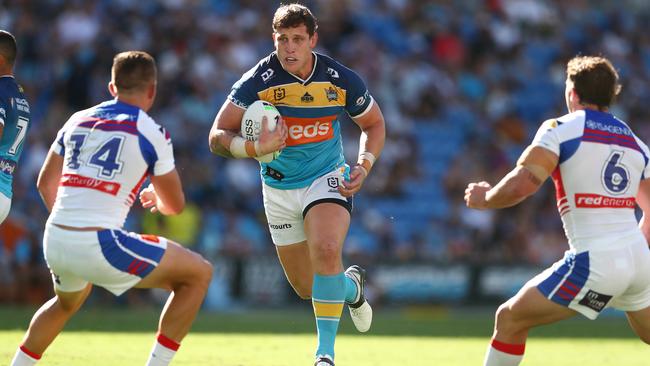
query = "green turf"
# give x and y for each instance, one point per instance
(425, 336)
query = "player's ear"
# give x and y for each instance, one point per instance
(112, 88)
(151, 91)
(313, 40)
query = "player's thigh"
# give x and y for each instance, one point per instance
(178, 266)
(326, 225)
(640, 323)
(529, 308)
(72, 301)
(297, 267)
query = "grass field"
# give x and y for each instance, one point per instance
(424, 336)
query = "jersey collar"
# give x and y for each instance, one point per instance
(313, 71)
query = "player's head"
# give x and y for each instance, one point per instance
(8, 51)
(294, 36)
(133, 76)
(591, 81)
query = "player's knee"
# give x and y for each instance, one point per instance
(204, 272)
(328, 252)
(503, 318)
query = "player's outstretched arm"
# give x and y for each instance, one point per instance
(371, 143)
(164, 194)
(49, 177)
(533, 167)
(643, 200)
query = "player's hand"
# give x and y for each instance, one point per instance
(357, 176)
(475, 195)
(149, 198)
(271, 141)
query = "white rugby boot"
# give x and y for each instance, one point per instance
(360, 310)
(324, 360)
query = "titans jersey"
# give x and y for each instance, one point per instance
(311, 109)
(601, 163)
(109, 150)
(14, 116)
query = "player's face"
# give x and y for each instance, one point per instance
(294, 48)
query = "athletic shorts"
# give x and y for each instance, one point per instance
(5, 206)
(286, 208)
(113, 259)
(593, 280)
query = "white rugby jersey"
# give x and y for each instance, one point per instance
(601, 162)
(109, 150)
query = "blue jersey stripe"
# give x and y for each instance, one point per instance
(110, 242)
(562, 288)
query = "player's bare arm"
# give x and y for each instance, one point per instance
(371, 143)
(643, 200)
(533, 167)
(49, 177)
(164, 194)
(226, 128)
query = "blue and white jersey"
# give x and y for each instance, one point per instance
(109, 150)
(601, 163)
(14, 116)
(311, 109)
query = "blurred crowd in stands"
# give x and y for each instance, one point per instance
(463, 86)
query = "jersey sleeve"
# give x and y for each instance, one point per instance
(243, 91)
(547, 137)
(358, 99)
(155, 146)
(58, 146)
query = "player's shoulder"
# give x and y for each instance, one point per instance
(335, 69)
(266, 69)
(152, 130)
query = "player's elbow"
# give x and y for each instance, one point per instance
(177, 206)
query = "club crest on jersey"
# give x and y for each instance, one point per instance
(307, 98)
(331, 94)
(279, 93)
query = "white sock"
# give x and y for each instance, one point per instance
(163, 351)
(24, 357)
(502, 354)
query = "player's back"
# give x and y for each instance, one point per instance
(14, 115)
(601, 163)
(109, 150)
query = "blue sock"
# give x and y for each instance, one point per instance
(351, 290)
(328, 296)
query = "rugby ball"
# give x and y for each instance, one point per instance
(251, 124)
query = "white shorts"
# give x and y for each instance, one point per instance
(286, 208)
(593, 280)
(113, 259)
(5, 206)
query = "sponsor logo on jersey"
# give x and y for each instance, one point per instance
(75, 180)
(22, 104)
(333, 182)
(308, 130)
(362, 99)
(595, 301)
(280, 226)
(331, 94)
(266, 75)
(3, 113)
(7, 166)
(279, 93)
(589, 200)
(307, 98)
(618, 130)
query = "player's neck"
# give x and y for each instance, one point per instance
(134, 100)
